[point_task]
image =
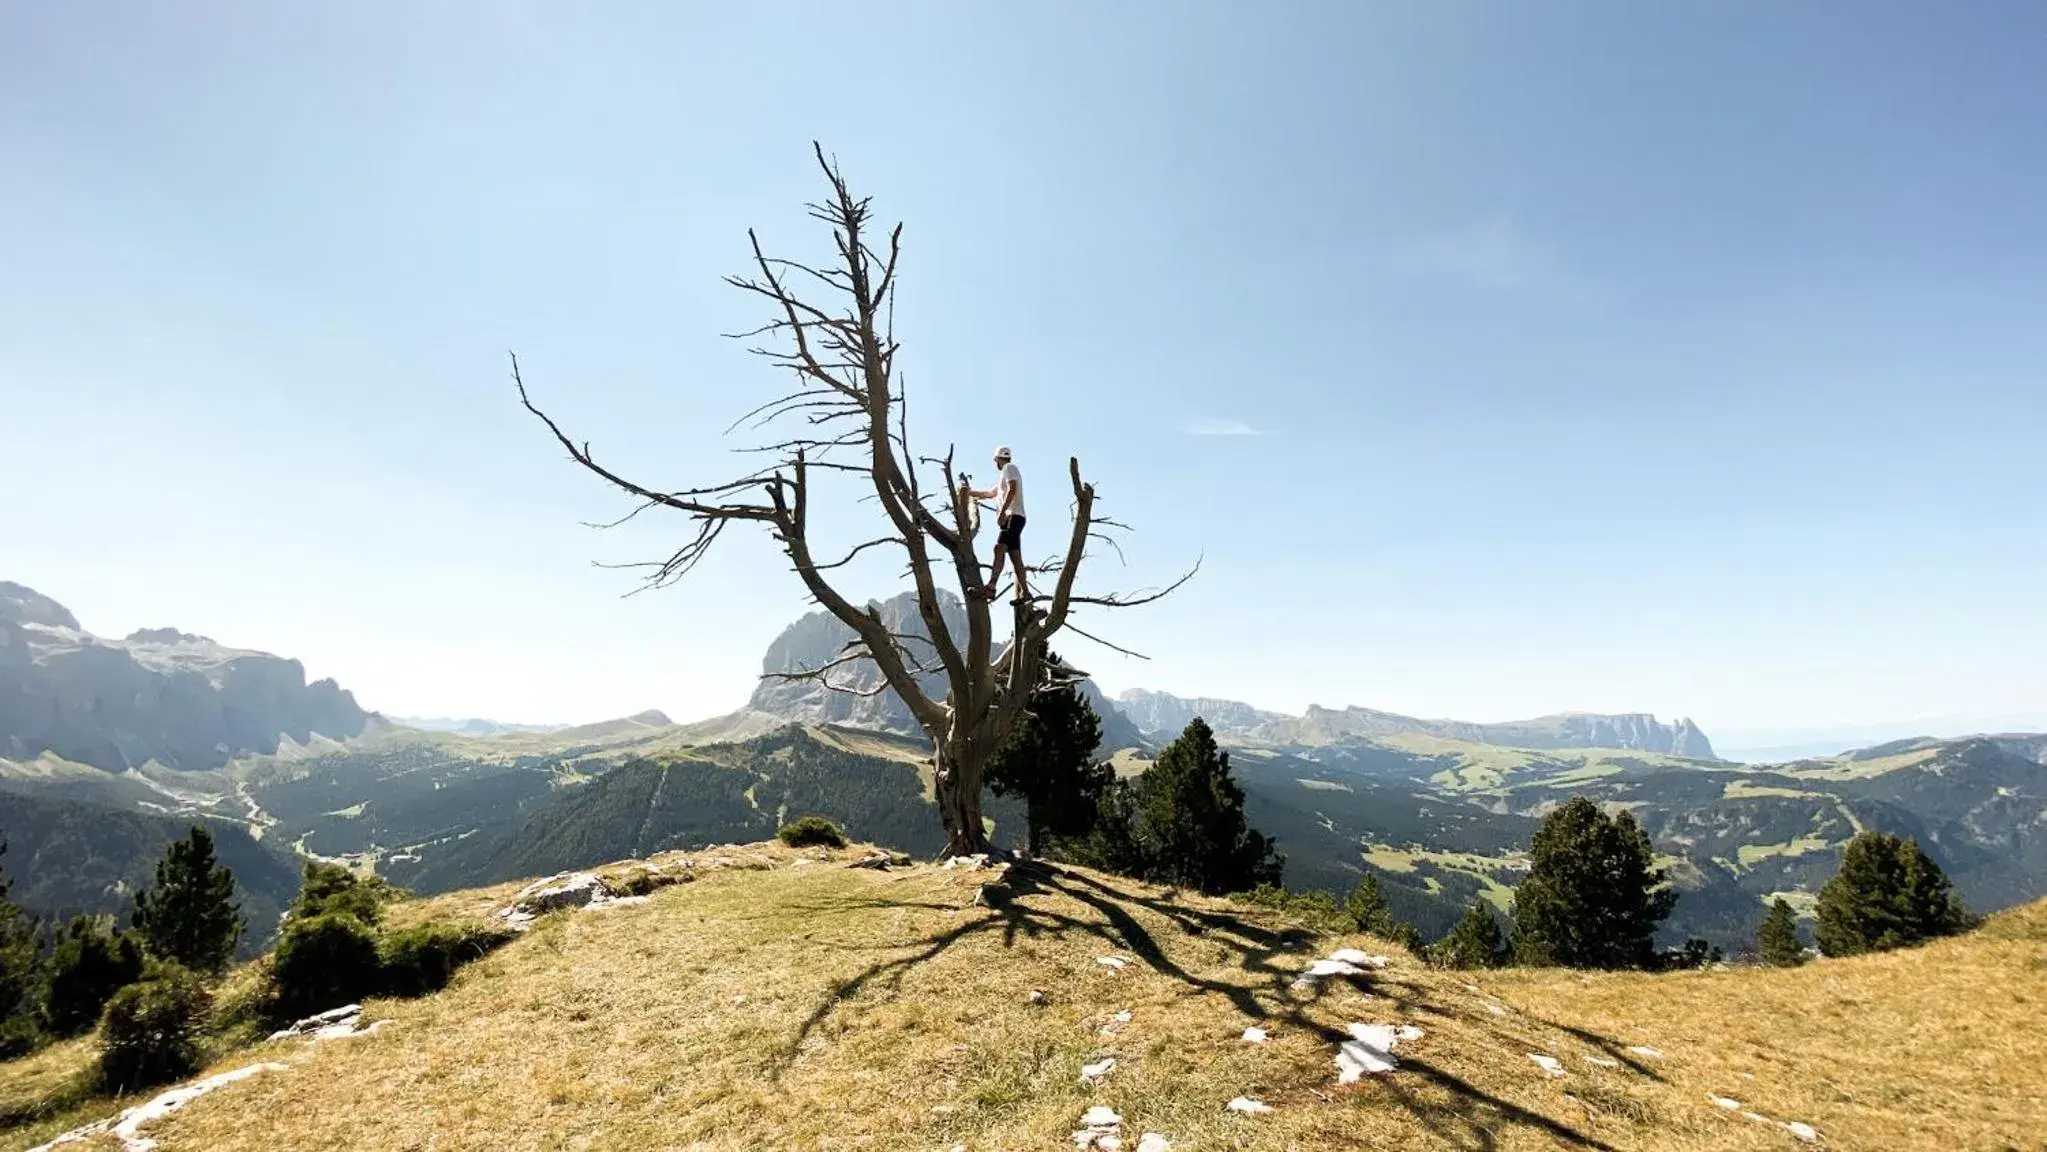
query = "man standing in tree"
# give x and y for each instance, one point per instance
(1009, 518)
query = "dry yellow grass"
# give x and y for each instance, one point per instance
(812, 1006)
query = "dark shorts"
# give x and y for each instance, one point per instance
(1011, 536)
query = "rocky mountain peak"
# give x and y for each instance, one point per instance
(818, 638)
(20, 604)
(160, 694)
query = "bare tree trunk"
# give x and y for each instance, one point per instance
(958, 788)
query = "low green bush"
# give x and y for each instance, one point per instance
(423, 959)
(91, 962)
(149, 1034)
(329, 888)
(810, 831)
(323, 962)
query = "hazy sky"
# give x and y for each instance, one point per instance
(1499, 359)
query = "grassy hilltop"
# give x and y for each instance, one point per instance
(787, 1001)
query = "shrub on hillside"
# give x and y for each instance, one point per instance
(19, 1035)
(323, 962)
(1693, 953)
(1314, 909)
(91, 962)
(1888, 894)
(20, 960)
(423, 959)
(1593, 896)
(328, 888)
(1474, 943)
(1367, 911)
(811, 831)
(1778, 937)
(149, 1034)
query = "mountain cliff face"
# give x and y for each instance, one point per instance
(160, 694)
(819, 637)
(1164, 714)
(1160, 714)
(1635, 730)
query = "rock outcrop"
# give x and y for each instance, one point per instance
(184, 701)
(819, 638)
(1162, 714)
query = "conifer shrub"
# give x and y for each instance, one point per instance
(811, 831)
(1778, 937)
(1182, 823)
(1888, 894)
(19, 1036)
(149, 1034)
(1312, 909)
(91, 962)
(1367, 911)
(1593, 895)
(422, 959)
(328, 888)
(323, 962)
(1474, 943)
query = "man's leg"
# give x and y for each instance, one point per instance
(1023, 588)
(995, 580)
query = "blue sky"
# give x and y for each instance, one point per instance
(1688, 359)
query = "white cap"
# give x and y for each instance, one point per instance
(1002, 453)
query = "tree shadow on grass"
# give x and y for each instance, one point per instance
(1459, 1113)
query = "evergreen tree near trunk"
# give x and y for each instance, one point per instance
(1474, 943)
(20, 962)
(1778, 937)
(1593, 896)
(832, 328)
(190, 914)
(1112, 844)
(1888, 894)
(1367, 909)
(1049, 760)
(1188, 821)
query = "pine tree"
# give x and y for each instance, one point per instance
(1474, 943)
(1049, 760)
(1888, 894)
(190, 916)
(1778, 937)
(20, 963)
(1367, 908)
(1112, 844)
(1593, 896)
(1187, 821)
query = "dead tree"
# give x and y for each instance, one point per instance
(832, 329)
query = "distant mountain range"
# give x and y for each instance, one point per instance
(109, 748)
(1161, 714)
(159, 695)
(473, 726)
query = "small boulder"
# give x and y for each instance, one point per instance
(564, 890)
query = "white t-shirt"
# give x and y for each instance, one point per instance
(1011, 481)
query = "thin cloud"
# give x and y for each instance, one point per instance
(1492, 254)
(1212, 427)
